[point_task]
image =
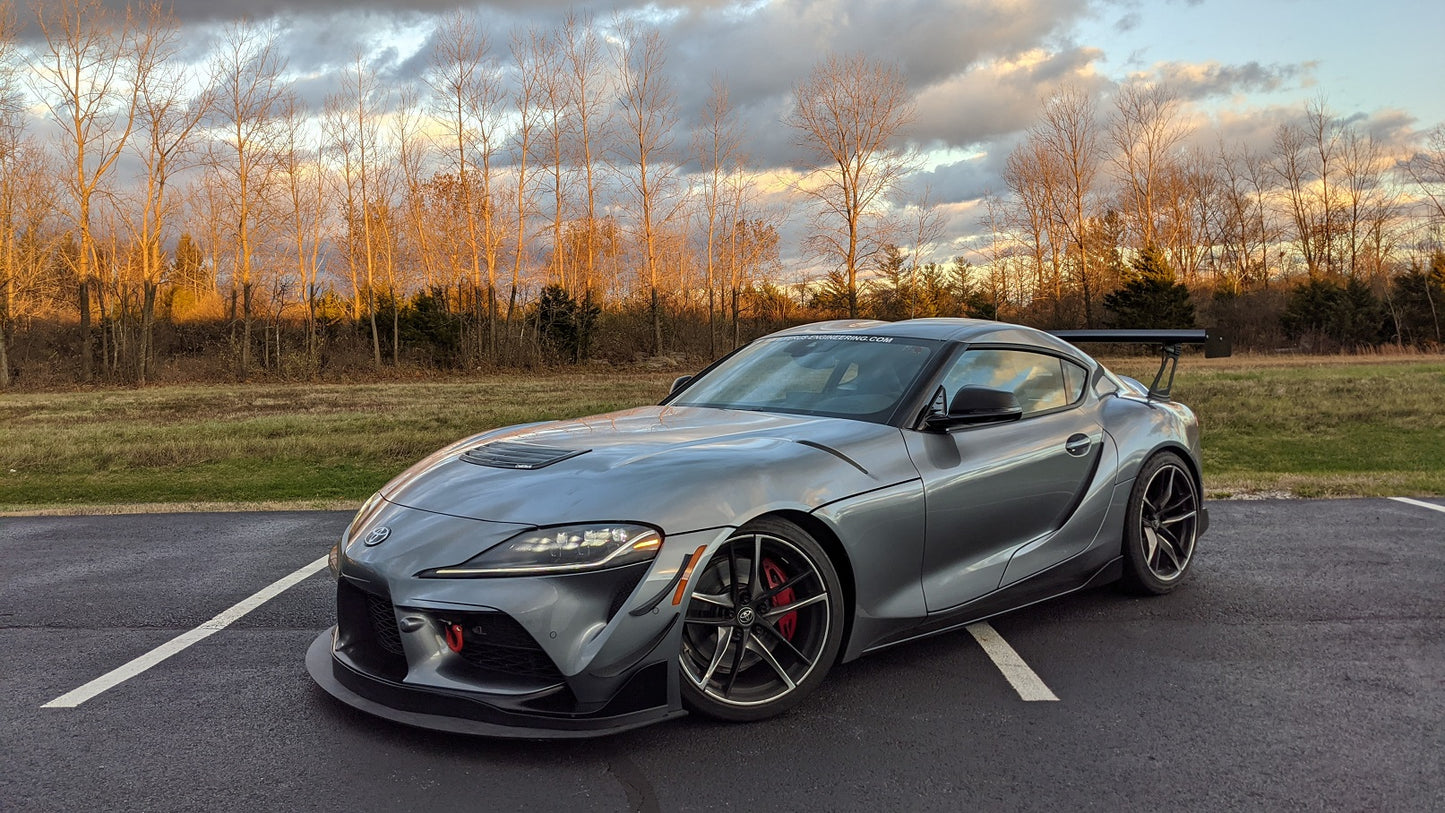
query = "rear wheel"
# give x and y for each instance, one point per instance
(763, 624)
(1161, 526)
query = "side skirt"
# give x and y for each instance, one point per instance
(1053, 583)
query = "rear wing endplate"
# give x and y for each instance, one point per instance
(1171, 343)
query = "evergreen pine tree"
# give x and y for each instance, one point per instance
(1151, 297)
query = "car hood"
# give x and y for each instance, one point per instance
(679, 468)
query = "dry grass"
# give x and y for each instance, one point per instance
(1307, 426)
(116, 509)
(266, 443)
(1317, 427)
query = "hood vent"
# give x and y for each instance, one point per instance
(500, 454)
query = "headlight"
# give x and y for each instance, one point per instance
(562, 550)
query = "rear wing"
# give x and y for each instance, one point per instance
(1171, 343)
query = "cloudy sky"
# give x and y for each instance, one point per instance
(979, 67)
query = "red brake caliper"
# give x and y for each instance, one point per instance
(773, 575)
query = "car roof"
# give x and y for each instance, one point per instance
(969, 331)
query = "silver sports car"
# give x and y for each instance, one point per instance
(820, 493)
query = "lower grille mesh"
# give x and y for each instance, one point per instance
(383, 623)
(495, 642)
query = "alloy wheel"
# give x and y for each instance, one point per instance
(759, 622)
(1169, 522)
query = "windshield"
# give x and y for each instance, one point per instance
(842, 376)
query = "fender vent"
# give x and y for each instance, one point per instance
(500, 454)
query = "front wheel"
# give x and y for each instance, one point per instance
(763, 625)
(1161, 526)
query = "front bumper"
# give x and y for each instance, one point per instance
(566, 655)
(459, 712)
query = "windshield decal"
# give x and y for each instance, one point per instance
(839, 337)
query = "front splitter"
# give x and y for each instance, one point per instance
(321, 665)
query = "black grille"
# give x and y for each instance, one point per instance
(494, 642)
(383, 623)
(368, 632)
(502, 454)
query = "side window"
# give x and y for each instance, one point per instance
(1038, 381)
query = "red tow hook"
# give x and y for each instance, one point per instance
(454, 637)
(773, 575)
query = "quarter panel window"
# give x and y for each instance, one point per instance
(1036, 380)
(1075, 378)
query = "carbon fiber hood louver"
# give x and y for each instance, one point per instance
(501, 454)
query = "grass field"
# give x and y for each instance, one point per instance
(1313, 427)
(1302, 426)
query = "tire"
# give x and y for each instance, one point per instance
(1161, 526)
(745, 655)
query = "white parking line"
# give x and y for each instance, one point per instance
(1432, 506)
(1018, 673)
(120, 674)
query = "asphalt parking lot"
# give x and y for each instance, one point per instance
(1301, 667)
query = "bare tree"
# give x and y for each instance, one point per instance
(926, 224)
(717, 147)
(1305, 161)
(1000, 254)
(467, 95)
(1324, 133)
(208, 218)
(1244, 239)
(248, 98)
(1069, 133)
(1427, 169)
(752, 246)
(848, 114)
(1257, 169)
(1033, 174)
(412, 153)
(11, 174)
(1368, 206)
(745, 249)
(167, 117)
(1146, 133)
(549, 63)
(83, 65)
(649, 108)
(587, 101)
(1187, 197)
(302, 176)
(353, 119)
(530, 52)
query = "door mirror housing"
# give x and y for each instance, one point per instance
(678, 383)
(974, 405)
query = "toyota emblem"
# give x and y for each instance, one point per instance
(378, 535)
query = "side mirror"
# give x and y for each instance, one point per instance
(973, 405)
(678, 383)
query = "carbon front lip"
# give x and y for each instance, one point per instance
(322, 667)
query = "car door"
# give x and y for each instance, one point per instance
(990, 489)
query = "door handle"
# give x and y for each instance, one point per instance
(1078, 445)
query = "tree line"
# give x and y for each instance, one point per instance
(184, 209)
(538, 198)
(1324, 239)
